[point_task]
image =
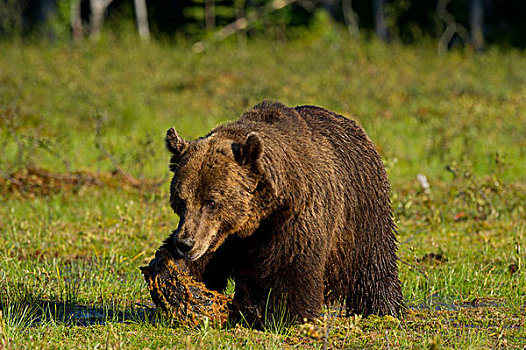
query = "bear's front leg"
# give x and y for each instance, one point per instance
(247, 307)
(292, 293)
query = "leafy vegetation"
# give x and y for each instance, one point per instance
(71, 248)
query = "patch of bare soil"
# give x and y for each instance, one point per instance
(33, 182)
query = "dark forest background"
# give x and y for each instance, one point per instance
(452, 22)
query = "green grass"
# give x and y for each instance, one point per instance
(69, 261)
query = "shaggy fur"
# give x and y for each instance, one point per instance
(293, 204)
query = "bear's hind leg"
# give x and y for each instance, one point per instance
(375, 290)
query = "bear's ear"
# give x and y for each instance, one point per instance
(249, 151)
(175, 144)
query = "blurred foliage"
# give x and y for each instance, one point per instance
(409, 21)
(11, 17)
(424, 111)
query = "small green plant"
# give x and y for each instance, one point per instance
(480, 197)
(277, 318)
(16, 318)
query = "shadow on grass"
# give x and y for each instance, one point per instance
(27, 314)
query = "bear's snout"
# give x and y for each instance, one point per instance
(184, 244)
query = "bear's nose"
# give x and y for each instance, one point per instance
(184, 244)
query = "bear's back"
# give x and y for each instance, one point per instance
(306, 121)
(274, 115)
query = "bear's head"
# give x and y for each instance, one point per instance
(217, 190)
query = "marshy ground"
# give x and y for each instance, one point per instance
(84, 192)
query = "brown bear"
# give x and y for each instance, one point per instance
(293, 205)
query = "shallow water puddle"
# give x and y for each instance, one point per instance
(82, 315)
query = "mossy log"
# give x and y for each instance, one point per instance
(179, 295)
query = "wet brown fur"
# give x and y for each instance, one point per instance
(302, 216)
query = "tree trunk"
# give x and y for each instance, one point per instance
(240, 13)
(76, 20)
(141, 13)
(210, 14)
(452, 27)
(350, 17)
(476, 22)
(44, 12)
(380, 22)
(97, 8)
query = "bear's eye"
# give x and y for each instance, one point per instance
(210, 204)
